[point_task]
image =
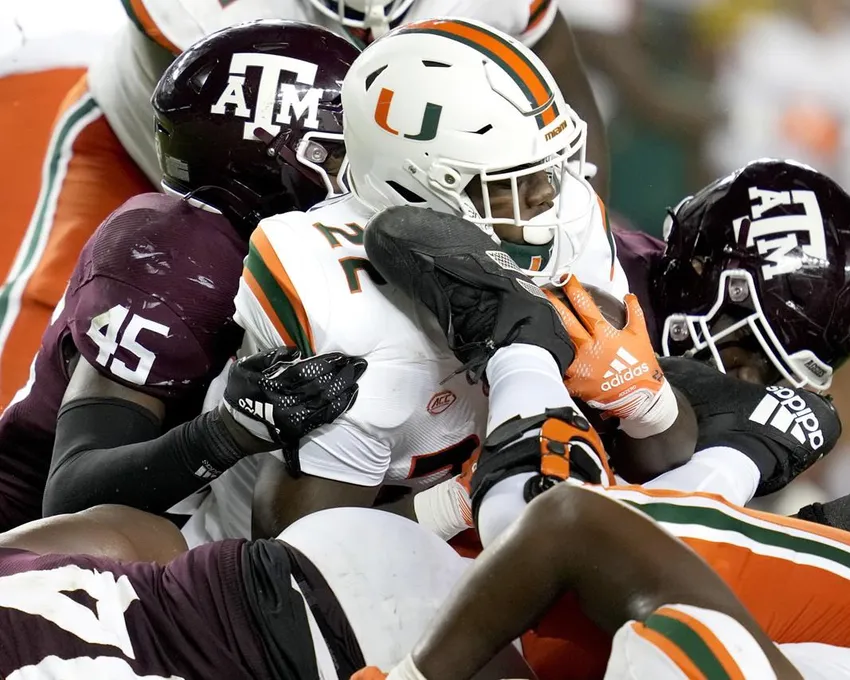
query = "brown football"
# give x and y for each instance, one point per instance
(612, 309)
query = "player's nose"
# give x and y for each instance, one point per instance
(539, 194)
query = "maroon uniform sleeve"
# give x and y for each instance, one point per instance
(133, 338)
(81, 617)
(638, 253)
(151, 305)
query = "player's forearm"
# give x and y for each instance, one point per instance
(639, 460)
(125, 459)
(492, 606)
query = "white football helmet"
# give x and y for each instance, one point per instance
(434, 104)
(369, 15)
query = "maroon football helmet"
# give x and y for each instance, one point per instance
(249, 119)
(760, 257)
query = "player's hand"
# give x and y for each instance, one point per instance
(446, 508)
(369, 673)
(615, 370)
(783, 430)
(558, 445)
(279, 397)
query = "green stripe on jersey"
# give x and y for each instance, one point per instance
(671, 513)
(279, 301)
(51, 186)
(691, 644)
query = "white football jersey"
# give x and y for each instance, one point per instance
(176, 24)
(597, 265)
(307, 283)
(38, 35)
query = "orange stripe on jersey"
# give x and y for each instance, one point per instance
(792, 602)
(84, 174)
(517, 65)
(137, 11)
(536, 13)
(821, 530)
(719, 650)
(266, 304)
(675, 654)
(795, 599)
(73, 96)
(278, 289)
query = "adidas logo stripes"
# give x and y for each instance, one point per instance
(623, 368)
(621, 362)
(260, 409)
(785, 410)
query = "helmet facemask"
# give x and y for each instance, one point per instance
(453, 116)
(565, 226)
(376, 16)
(694, 334)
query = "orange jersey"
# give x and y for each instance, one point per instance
(793, 577)
(71, 174)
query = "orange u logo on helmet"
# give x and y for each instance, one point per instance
(430, 119)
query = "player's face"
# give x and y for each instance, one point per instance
(743, 357)
(536, 196)
(332, 165)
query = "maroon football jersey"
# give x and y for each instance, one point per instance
(149, 305)
(638, 252)
(87, 617)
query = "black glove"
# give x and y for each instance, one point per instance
(833, 514)
(279, 397)
(782, 429)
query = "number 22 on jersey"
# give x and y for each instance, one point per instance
(352, 266)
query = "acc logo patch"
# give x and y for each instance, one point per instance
(441, 402)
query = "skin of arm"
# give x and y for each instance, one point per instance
(572, 538)
(111, 531)
(280, 499)
(639, 460)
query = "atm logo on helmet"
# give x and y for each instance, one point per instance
(430, 119)
(775, 237)
(266, 113)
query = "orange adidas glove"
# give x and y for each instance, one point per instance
(615, 370)
(369, 673)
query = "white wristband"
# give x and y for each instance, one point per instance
(659, 417)
(259, 429)
(444, 509)
(406, 670)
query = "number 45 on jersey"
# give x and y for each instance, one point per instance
(106, 332)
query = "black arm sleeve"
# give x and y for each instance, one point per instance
(125, 459)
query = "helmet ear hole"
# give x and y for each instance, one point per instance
(408, 195)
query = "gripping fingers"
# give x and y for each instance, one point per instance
(264, 361)
(313, 369)
(587, 310)
(636, 319)
(331, 408)
(572, 325)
